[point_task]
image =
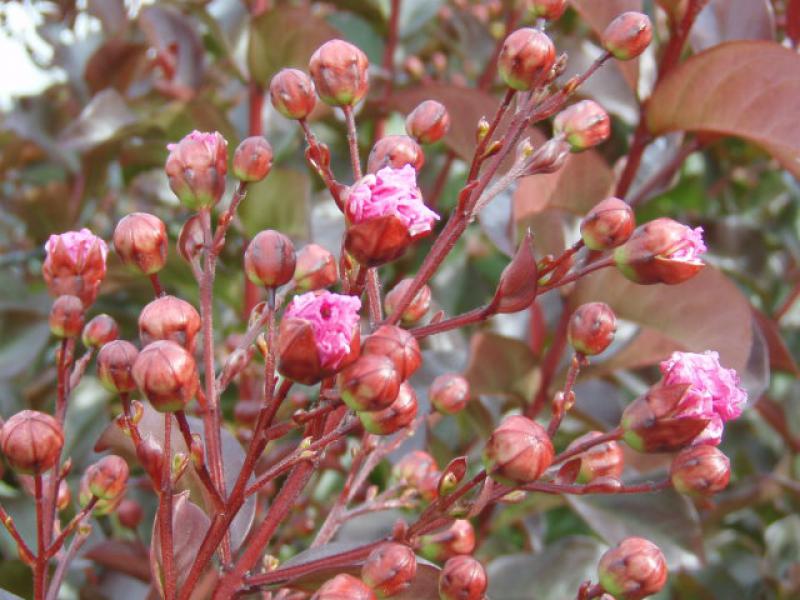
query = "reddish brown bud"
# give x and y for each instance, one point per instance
(457, 539)
(547, 9)
(591, 328)
(449, 393)
(107, 477)
(269, 259)
(602, 460)
(400, 413)
(415, 468)
(169, 318)
(31, 441)
(371, 383)
(462, 578)
(518, 451)
(100, 330)
(140, 240)
(115, 366)
(314, 269)
(418, 306)
(428, 122)
(700, 471)
(452, 475)
(633, 570)
(608, 225)
(519, 280)
(166, 374)
(298, 354)
(130, 513)
(292, 94)
(389, 569)
(67, 316)
(378, 241)
(397, 344)
(343, 587)
(395, 151)
(628, 35)
(151, 457)
(252, 160)
(526, 58)
(191, 239)
(583, 125)
(339, 71)
(196, 168)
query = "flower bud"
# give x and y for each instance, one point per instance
(31, 441)
(398, 345)
(415, 468)
(102, 506)
(547, 9)
(100, 330)
(107, 477)
(75, 265)
(196, 169)
(400, 413)
(526, 58)
(340, 73)
(700, 471)
(661, 251)
(602, 460)
(151, 456)
(395, 151)
(371, 383)
(292, 93)
(169, 318)
(315, 268)
(584, 124)
(449, 393)
(428, 122)
(115, 366)
(628, 35)
(140, 240)
(389, 569)
(191, 239)
(269, 259)
(518, 283)
(64, 496)
(462, 578)
(130, 513)
(344, 587)
(591, 328)
(418, 306)
(608, 225)
(457, 539)
(633, 570)
(518, 451)
(252, 160)
(166, 374)
(66, 317)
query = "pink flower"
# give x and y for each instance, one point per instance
(333, 318)
(690, 247)
(75, 264)
(196, 168)
(714, 391)
(77, 245)
(391, 192)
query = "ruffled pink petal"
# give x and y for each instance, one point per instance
(691, 246)
(77, 243)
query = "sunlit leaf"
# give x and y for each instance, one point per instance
(727, 20)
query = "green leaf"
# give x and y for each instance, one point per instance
(281, 201)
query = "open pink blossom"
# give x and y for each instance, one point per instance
(394, 192)
(196, 168)
(333, 318)
(714, 391)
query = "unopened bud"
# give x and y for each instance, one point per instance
(252, 160)
(414, 67)
(31, 441)
(462, 578)
(452, 475)
(169, 318)
(547, 9)
(371, 383)
(167, 375)
(602, 460)
(107, 477)
(130, 513)
(418, 306)
(389, 569)
(400, 413)
(140, 240)
(482, 130)
(191, 239)
(315, 268)
(197, 451)
(518, 451)
(458, 538)
(428, 122)
(344, 587)
(700, 471)
(584, 124)
(397, 344)
(628, 35)
(340, 73)
(449, 393)
(633, 570)
(179, 463)
(608, 225)
(64, 496)
(526, 57)
(292, 94)
(67, 316)
(100, 330)
(415, 468)
(269, 259)
(591, 328)
(395, 151)
(518, 284)
(196, 169)
(151, 456)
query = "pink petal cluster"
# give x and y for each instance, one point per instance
(211, 142)
(391, 191)
(714, 391)
(77, 244)
(690, 247)
(333, 318)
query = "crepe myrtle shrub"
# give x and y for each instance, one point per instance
(330, 367)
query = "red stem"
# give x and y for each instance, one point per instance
(550, 363)
(475, 315)
(610, 436)
(76, 520)
(165, 514)
(158, 289)
(201, 470)
(40, 564)
(559, 408)
(352, 141)
(8, 522)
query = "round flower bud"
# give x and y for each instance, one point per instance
(340, 73)
(398, 345)
(64, 496)
(394, 417)
(462, 578)
(415, 468)
(518, 451)
(608, 225)
(196, 169)
(344, 587)
(140, 240)
(107, 477)
(584, 124)
(115, 366)
(315, 268)
(292, 93)
(269, 259)
(449, 393)
(547, 9)
(252, 160)
(100, 330)
(418, 306)
(395, 151)
(166, 374)
(31, 441)
(66, 317)
(591, 328)
(371, 383)
(130, 513)
(428, 122)
(628, 35)
(602, 460)
(633, 570)
(526, 57)
(457, 539)
(102, 506)
(191, 239)
(700, 471)
(389, 569)
(75, 264)
(169, 318)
